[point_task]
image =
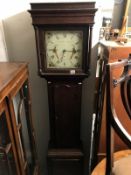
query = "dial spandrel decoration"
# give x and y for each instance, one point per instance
(64, 49)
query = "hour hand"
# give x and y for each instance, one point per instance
(55, 52)
(63, 52)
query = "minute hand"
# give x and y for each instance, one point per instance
(73, 52)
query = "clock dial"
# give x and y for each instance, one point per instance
(64, 49)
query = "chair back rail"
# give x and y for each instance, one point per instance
(113, 122)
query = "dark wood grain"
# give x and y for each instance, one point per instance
(65, 161)
(65, 112)
(64, 13)
(63, 6)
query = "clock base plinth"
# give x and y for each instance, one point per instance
(65, 161)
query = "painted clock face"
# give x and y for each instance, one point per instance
(64, 49)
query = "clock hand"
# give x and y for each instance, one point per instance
(63, 54)
(55, 52)
(68, 50)
(73, 52)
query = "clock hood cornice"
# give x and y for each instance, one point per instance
(73, 12)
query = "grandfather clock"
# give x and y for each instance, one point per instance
(63, 39)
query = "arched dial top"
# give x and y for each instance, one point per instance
(64, 49)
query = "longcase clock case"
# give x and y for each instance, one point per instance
(63, 41)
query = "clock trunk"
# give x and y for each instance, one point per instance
(65, 114)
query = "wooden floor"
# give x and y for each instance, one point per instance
(100, 168)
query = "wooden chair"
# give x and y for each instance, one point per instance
(118, 77)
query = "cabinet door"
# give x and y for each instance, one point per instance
(19, 106)
(8, 157)
(65, 113)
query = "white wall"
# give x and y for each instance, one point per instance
(3, 49)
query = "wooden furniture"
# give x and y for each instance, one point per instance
(109, 51)
(17, 140)
(118, 78)
(8, 154)
(63, 39)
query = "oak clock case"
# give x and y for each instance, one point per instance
(63, 39)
